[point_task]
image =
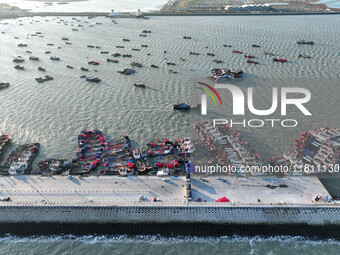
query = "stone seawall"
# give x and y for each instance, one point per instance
(170, 214)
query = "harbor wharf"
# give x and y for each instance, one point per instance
(148, 199)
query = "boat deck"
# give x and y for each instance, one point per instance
(114, 190)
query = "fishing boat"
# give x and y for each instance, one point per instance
(139, 84)
(281, 60)
(136, 64)
(305, 42)
(222, 74)
(91, 79)
(154, 66)
(159, 164)
(20, 159)
(217, 61)
(52, 166)
(185, 146)
(237, 51)
(172, 71)
(4, 85)
(127, 71)
(4, 138)
(252, 62)
(39, 80)
(163, 172)
(136, 154)
(19, 67)
(47, 78)
(33, 58)
(145, 158)
(18, 60)
(112, 60)
(54, 58)
(17, 169)
(140, 165)
(181, 106)
(160, 147)
(95, 63)
(124, 171)
(304, 56)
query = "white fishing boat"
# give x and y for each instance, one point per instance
(163, 172)
(140, 84)
(123, 171)
(136, 153)
(17, 169)
(186, 146)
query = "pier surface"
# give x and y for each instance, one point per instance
(114, 190)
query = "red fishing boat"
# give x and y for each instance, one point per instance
(237, 51)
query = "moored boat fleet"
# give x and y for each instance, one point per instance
(97, 155)
(315, 151)
(19, 160)
(230, 148)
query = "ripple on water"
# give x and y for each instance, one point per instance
(53, 112)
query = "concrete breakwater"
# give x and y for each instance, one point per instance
(143, 199)
(218, 214)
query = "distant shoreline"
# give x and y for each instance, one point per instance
(155, 14)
